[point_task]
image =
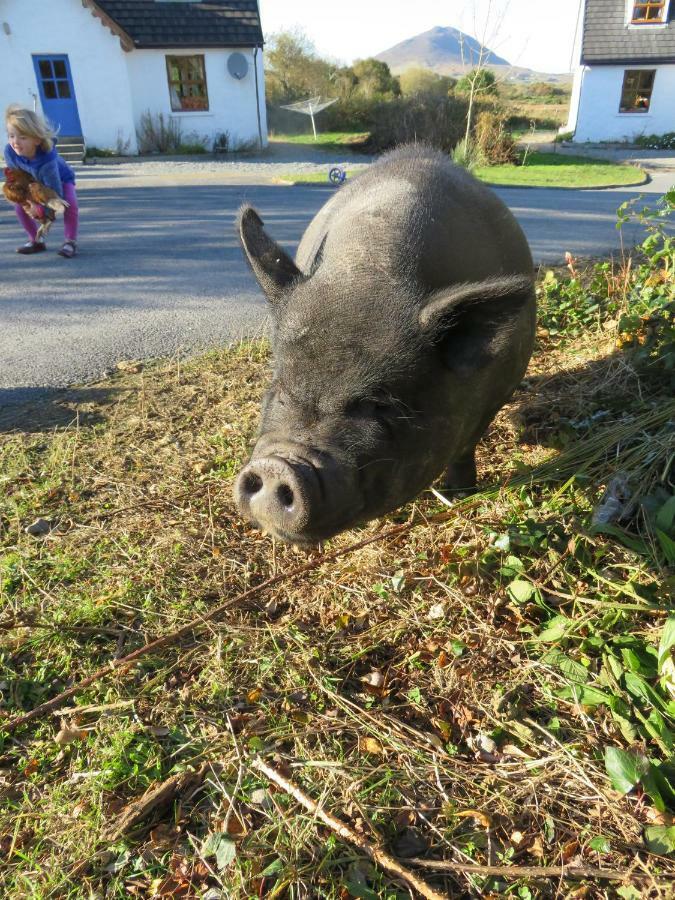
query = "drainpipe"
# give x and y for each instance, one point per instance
(257, 95)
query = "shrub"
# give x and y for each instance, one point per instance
(466, 154)
(657, 141)
(637, 293)
(495, 145)
(437, 121)
(158, 134)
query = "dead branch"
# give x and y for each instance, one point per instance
(571, 872)
(386, 862)
(154, 797)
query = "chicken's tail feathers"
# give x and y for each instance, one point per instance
(57, 204)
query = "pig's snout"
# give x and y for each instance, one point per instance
(298, 494)
(279, 494)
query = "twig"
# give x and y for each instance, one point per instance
(120, 665)
(442, 865)
(386, 862)
(159, 795)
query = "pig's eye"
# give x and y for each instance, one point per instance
(370, 408)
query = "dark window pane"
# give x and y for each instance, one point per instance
(49, 89)
(45, 68)
(60, 69)
(64, 89)
(187, 82)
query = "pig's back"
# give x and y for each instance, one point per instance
(416, 214)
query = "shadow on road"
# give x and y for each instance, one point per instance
(31, 410)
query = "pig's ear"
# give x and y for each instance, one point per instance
(272, 266)
(473, 321)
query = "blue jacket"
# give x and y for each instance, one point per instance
(46, 167)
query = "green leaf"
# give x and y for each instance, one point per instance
(667, 545)
(274, 868)
(633, 543)
(625, 768)
(503, 542)
(521, 591)
(665, 517)
(660, 839)
(555, 629)
(638, 687)
(600, 844)
(666, 643)
(221, 846)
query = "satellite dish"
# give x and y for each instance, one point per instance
(237, 66)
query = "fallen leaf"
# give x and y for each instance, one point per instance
(374, 679)
(476, 814)
(68, 735)
(39, 528)
(370, 745)
(31, 767)
(436, 612)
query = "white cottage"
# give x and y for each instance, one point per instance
(625, 83)
(95, 67)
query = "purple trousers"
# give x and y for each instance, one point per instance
(70, 216)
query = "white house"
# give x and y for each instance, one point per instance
(625, 83)
(95, 67)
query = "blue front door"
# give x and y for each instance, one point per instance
(57, 93)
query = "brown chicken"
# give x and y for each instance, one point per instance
(20, 187)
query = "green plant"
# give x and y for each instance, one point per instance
(647, 326)
(158, 134)
(466, 153)
(657, 141)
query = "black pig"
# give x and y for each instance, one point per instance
(404, 325)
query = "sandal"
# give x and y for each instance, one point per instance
(68, 250)
(32, 247)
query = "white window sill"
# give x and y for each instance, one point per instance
(192, 112)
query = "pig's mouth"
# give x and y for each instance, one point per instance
(299, 497)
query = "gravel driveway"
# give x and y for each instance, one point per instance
(278, 159)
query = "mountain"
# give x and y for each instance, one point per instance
(440, 47)
(450, 51)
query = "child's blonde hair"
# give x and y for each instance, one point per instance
(30, 124)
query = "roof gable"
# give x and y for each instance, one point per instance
(608, 39)
(167, 23)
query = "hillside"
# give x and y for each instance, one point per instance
(450, 51)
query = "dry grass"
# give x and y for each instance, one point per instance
(401, 685)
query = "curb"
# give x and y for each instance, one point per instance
(545, 187)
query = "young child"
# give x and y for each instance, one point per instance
(31, 148)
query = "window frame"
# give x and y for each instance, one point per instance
(663, 5)
(183, 61)
(647, 92)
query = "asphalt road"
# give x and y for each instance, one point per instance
(160, 271)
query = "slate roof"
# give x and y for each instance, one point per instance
(607, 39)
(166, 23)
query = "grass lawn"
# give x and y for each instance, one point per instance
(325, 140)
(486, 691)
(541, 170)
(558, 170)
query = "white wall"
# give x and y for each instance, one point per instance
(598, 117)
(232, 103)
(97, 63)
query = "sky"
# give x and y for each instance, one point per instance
(536, 35)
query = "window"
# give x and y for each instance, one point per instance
(54, 77)
(650, 11)
(636, 93)
(187, 83)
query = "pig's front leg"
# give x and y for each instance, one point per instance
(460, 476)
